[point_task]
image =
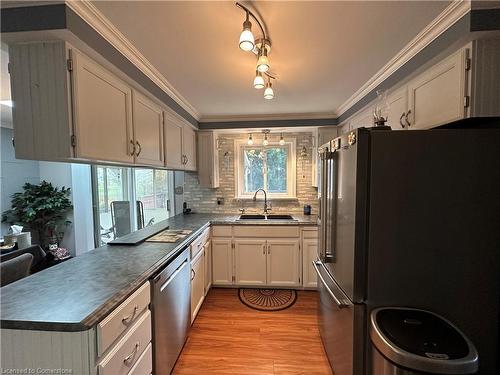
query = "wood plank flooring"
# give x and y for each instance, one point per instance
(228, 337)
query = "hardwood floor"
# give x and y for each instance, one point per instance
(228, 337)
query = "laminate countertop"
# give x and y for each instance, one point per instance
(77, 294)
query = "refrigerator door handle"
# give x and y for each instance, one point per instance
(330, 207)
(340, 303)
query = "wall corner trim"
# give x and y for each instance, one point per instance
(449, 16)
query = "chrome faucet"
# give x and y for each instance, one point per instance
(265, 199)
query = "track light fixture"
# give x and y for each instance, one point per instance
(282, 141)
(250, 140)
(261, 47)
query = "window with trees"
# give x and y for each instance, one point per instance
(270, 167)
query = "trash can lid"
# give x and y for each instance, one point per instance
(423, 341)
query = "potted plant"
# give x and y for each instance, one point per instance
(42, 209)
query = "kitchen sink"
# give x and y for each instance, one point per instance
(280, 217)
(266, 217)
(252, 217)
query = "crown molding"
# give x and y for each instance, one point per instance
(268, 117)
(451, 14)
(90, 14)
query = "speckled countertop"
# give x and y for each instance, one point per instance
(79, 293)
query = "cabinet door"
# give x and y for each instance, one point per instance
(398, 105)
(189, 148)
(102, 107)
(197, 284)
(173, 142)
(250, 261)
(148, 130)
(208, 266)
(437, 96)
(208, 160)
(222, 261)
(283, 262)
(309, 255)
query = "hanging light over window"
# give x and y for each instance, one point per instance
(282, 141)
(268, 92)
(250, 140)
(247, 41)
(265, 142)
(258, 81)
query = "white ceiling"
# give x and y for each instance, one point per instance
(323, 52)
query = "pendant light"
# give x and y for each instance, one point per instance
(247, 40)
(250, 140)
(258, 81)
(268, 92)
(282, 141)
(263, 61)
(265, 142)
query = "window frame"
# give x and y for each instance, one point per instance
(241, 145)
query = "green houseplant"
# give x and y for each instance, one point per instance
(41, 209)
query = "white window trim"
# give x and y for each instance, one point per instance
(291, 171)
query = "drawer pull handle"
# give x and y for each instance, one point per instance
(193, 274)
(128, 359)
(128, 318)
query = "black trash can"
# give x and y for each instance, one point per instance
(411, 341)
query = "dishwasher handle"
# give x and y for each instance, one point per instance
(176, 272)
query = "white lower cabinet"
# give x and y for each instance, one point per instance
(222, 261)
(309, 255)
(283, 262)
(250, 261)
(197, 283)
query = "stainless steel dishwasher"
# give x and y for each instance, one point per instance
(171, 305)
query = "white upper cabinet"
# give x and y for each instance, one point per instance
(173, 142)
(250, 261)
(148, 130)
(437, 96)
(189, 148)
(208, 159)
(68, 106)
(102, 113)
(398, 106)
(180, 143)
(283, 262)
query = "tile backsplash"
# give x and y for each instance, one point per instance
(204, 200)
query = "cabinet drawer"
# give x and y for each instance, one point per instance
(144, 365)
(128, 350)
(198, 243)
(122, 318)
(266, 231)
(222, 231)
(310, 233)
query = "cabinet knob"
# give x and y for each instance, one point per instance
(132, 153)
(140, 148)
(406, 118)
(401, 120)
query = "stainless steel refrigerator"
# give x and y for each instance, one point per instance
(409, 218)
